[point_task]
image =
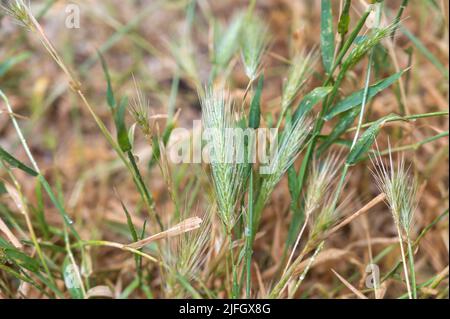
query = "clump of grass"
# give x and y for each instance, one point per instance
(401, 196)
(190, 257)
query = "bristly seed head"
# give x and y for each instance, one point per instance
(254, 40)
(227, 176)
(288, 149)
(321, 180)
(20, 12)
(299, 71)
(400, 189)
(139, 110)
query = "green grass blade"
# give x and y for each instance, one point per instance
(14, 162)
(310, 100)
(109, 91)
(356, 98)
(345, 122)
(122, 131)
(327, 35)
(366, 141)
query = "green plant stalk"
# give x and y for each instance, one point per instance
(235, 284)
(148, 198)
(360, 120)
(305, 272)
(248, 233)
(347, 44)
(364, 100)
(281, 285)
(411, 267)
(399, 15)
(405, 267)
(343, 23)
(416, 242)
(72, 260)
(320, 121)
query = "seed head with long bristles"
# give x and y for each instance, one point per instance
(301, 68)
(400, 189)
(227, 174)
(19, 11)
(289, 148)
(254, 40)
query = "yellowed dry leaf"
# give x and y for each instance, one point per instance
(358, 293)
(183, 227)
(100, 291)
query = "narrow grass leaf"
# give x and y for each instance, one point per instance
(356, 98)
(122, 132)
(344, 123)
(11, 160)
(130, 224)
(310, 100)
(366, 140)
(19, 258)
(109, 91)
(344, 19)
(327, 35)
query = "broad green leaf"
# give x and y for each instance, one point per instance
(11, 160)
(109, 91)
(311, 99)
(366, 140)
(326, 35)
(255, 106)
(356, 98)
(122, 132)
